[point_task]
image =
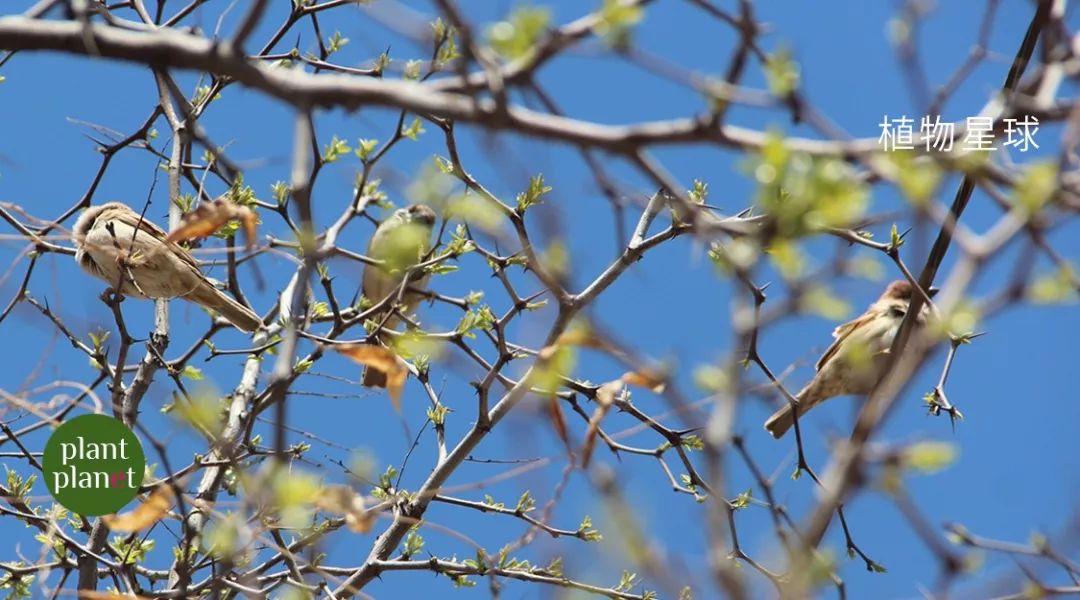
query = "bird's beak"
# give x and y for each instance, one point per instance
(932, 292)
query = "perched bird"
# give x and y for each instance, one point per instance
(399, 242)
(857, 357)
(144, 264)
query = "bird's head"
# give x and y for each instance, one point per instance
(419, 213)
(90, 216)
(902, 289)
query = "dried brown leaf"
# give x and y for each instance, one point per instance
(580, 337)
(342, 500)
(605, 398)
(250, 221)
(151, 511)
(381, 359)
(653, 380)
(584, 338)
(208, 217)
(558, 422)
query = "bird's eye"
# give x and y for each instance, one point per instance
(897, 312)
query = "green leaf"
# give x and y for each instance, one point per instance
(192, 373)
(917, 176)
(819, 300)
(743, 499)
(336, 42)
(1060, 287)
(627, 581)
(929, 457)
(460, 242)
(533, 195)
(518, 35)
(335, 149)
(203, 412)
(20, 587)
(241, 193)
(365, 146)
(804, 193)
(1036, 187)
(303, 365)
(201, 95)
(788, 258)
(414, 543)
(480, 318)
(98, 338)
(445, 42)
(280, 191)
(437, 414)
(525, 503)
(18, 486)
(711, 378)
(475, 211)
(822, 566)
(413, 130)
(226, 536)
(699, 192)
(615, 20)
(133, 552)
(895, 239)
(782, 73)
(445, 165)
(547, 375)
(587, 532)
(692, 442)
(462, 581)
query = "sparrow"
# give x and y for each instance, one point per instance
(399, 243)
(857, 357)
(131, 254)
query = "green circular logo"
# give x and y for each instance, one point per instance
(93, 465)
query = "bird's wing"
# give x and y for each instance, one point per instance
(840, 334)
(87, 262)
(374, 278)
(147, 227)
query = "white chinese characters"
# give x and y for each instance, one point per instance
(978, 134)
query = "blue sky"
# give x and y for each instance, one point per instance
(1016, 472)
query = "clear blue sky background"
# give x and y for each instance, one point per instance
(1016, 471)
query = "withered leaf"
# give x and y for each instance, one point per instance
(605, 397)
(342, 500)
(381, 359)
(151, 511)
(646, 378)
(208, 217)
(558, 422)
(581, 337)
(584, 338)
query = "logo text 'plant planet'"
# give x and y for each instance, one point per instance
(93, 465)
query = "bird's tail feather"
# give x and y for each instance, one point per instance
(236, 313)
(782, 420)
